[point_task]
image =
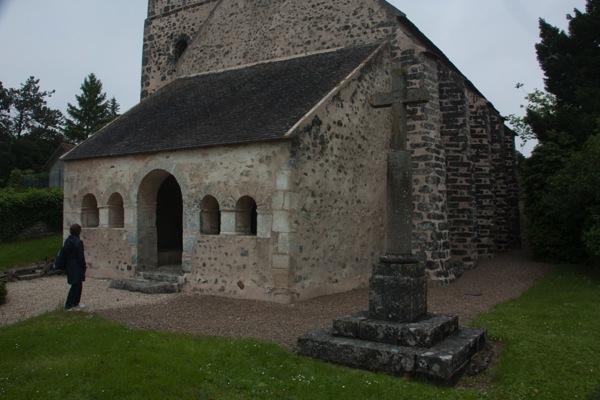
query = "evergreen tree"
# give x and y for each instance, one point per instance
(92, 112)
(29, 129)
(24, 111)
(571, 64)
(561, 179)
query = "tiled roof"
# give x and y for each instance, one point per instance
(256, 103)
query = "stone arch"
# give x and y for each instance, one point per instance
(246, 216)
(166, 168)
(90, 214)
(179, 49)
(116, 211)
(159, 220)
(210, 216)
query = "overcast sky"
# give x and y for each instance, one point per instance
(62, 41)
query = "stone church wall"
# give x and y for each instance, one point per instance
(320, 199)
(465, 191)
(162, 35)
(341, 183)
(232, 33)
(227, 264)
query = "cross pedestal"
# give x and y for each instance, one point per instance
(397, 335)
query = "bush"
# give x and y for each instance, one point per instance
(563, 202)
(3, 292)
(22, 209)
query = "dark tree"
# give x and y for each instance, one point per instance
(571, 64)
(561, 179)
(29, 129)
(24, 111)
(92, 112)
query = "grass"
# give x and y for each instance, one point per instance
(551, 339)
(13, 254)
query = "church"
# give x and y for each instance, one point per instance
(255, 162)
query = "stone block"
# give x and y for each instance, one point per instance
(398, 290)
(284, 180)
(264, 226)
(281, 277)
(281, 221)
(397, 299)
(278, 200)
(423, 333)
(442, 364)
(280, 261)
(287, 243)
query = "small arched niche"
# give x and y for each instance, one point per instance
(90, 216)
(210, 216)
(180, 48)
(116, 211)
(246, 216)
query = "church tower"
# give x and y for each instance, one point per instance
(169, 29)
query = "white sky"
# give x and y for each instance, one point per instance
(63, 41)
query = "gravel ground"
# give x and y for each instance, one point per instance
(494, 281)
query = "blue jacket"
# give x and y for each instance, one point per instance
(76, 266)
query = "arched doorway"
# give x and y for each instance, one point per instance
(169, 222)
(159, 221)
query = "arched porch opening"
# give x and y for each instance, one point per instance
(160, 221)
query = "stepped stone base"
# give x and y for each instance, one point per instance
(424, 333)
(442, 363)
(162, 280)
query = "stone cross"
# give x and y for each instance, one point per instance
(398, 286)
(399, 98)
(399, 169)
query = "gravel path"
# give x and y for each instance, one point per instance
(494, 281)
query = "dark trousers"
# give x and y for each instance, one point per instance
(74, 296)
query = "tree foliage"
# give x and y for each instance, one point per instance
(92, 111)
(30, 131)
(561, 179)
(24, 111)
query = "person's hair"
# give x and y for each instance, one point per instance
(75, 229)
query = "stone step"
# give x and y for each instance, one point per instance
(28, 277)
(160, 276)
(442, 363)
(145, 286)
(423, 333)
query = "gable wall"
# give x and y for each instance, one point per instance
(340, 180)
(232, 33)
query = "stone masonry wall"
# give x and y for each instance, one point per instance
(457, 139)
(232, 33)
(456, 133)
(430, 223)
(340, 181)
(484, 174)
(161, 35)
(226, 264)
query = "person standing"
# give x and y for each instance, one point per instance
(75, 259)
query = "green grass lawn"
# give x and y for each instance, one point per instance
(550, 337)
(13, 254)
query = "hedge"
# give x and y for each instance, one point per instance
(2, 292)
(22, 209)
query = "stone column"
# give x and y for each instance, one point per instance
(228, 221)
